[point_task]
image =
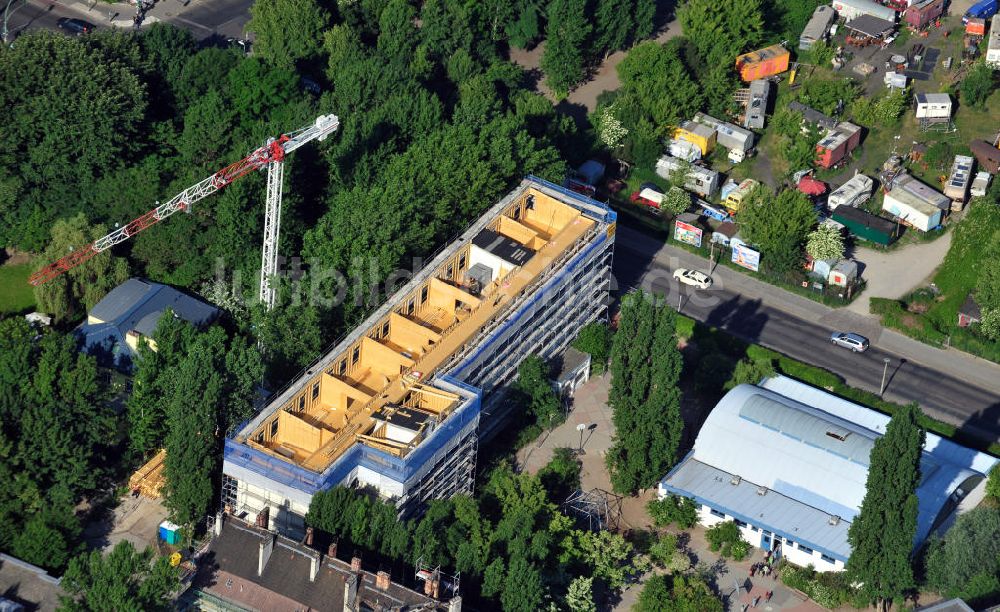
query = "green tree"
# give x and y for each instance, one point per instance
(966, 563)
(677, 594)
(673, 509)
(778, 226)
(993, 483)
(644, 19)
(656, 86)
(70, 295)
(66, 126)
(524, 30)
(977, 84)
(609, 556)
(523, 590)
(749, 371)
(125, 579)
(881, 535)
(565, 36)
(645, 368)
(595, 339)
(193, 428)
(580, 595)
(613, 24)
(561, 475)
(825, 242)
(676, 201)
(726, 538)
(722, 30)
(533, 383)
(288, 32)
(988, 281)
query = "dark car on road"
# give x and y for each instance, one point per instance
(75, 26)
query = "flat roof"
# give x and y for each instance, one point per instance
(870, 25)
(933, 98)
(389, 358)
(918, 196)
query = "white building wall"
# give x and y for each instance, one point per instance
(789, 550)
(911, 215)
(928, 110)
(478, 255)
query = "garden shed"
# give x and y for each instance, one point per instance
(969, 313)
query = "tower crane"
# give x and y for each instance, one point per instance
(270, 156)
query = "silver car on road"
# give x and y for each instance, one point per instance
(851, 340)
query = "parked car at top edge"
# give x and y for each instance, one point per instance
(855, 342)
(75, 26)
(693, 278)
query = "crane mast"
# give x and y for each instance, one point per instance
(270, 156)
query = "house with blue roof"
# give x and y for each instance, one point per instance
(789, 464)
(129, 313)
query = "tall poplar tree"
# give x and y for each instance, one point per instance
(881, 536)
(613, 24)
(565, 49)
(645, 368)
(193, 430)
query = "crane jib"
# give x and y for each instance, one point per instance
(273, 151)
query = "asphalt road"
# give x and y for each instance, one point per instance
(203, 18)
(975, 408)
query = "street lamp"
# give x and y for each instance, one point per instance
(7, 13)
(582, 427)
(885, 370)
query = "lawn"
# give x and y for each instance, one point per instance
(16, 295)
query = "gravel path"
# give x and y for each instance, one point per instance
(893, 274)
(583, 99)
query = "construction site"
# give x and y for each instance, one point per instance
(401, 403)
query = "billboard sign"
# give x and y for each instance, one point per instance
(685, 232)
(746, 257)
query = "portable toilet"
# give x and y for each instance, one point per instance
(170, 533)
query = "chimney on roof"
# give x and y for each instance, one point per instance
(313, 566)
(264, 517)
(355, 564)
(432, 587)
(309, 536)
(264, 552)
(331, 550)
(382, 581)
(351, 593)
(455, 605)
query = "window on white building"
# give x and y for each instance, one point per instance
(715, 512)
(827, 558)
(805, 549)
(739, 523)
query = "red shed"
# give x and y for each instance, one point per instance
(811, 187)
(923, 13)
(762, 63)
(837, 144)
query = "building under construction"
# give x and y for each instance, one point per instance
(401, 402)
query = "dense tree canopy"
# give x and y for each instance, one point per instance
(288, 32)
(966, 563)
(778, 226)
(55, 437)
(125, 579)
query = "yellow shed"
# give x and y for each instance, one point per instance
(697, 134)
(734, 201)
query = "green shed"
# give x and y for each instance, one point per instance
(865, 225)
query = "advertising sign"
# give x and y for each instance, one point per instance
(685, 232)
(746, 257)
